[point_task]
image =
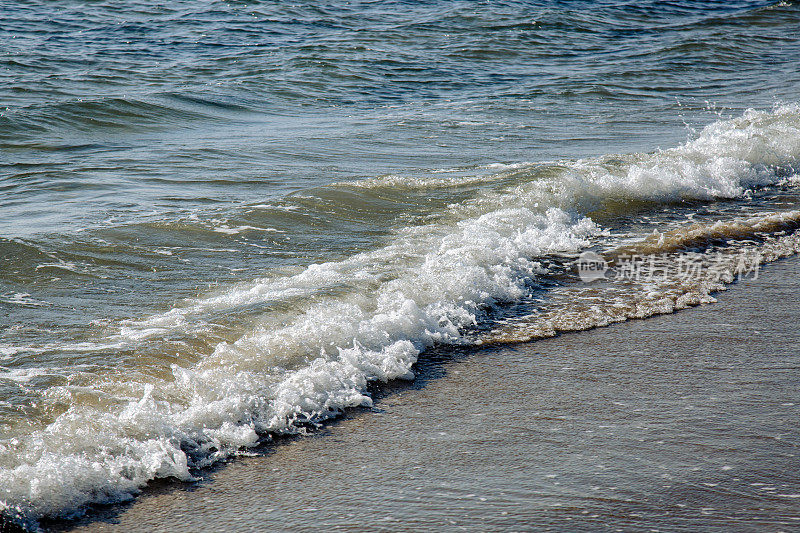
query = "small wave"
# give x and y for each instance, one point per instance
(114, 113)
(22, 298)
(333, 327)
(399, 183)
(334, 347)
(726, 158)
(68, 266)
(24, 375)
(224, 228)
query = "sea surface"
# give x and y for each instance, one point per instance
(221, 221)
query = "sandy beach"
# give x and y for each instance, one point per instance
(682, 422)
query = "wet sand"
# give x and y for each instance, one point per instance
(683, 422)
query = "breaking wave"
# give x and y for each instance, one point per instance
(315, 338)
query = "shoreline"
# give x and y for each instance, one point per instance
(675, 422)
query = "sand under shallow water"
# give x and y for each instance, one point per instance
(683, 422)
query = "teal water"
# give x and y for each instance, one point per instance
(219, 221)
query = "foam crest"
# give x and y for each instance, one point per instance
(728, 157)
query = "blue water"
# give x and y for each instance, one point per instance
(241, 101)
(250, 186)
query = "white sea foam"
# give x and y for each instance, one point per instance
(224, 228)
(398, 182)
(10, 350)
(21, 298)
(275, 207)
(23, 375)
(364, 318)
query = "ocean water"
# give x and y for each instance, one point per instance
(220, 221)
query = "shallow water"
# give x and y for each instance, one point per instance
(683, 422)
(223, 221)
